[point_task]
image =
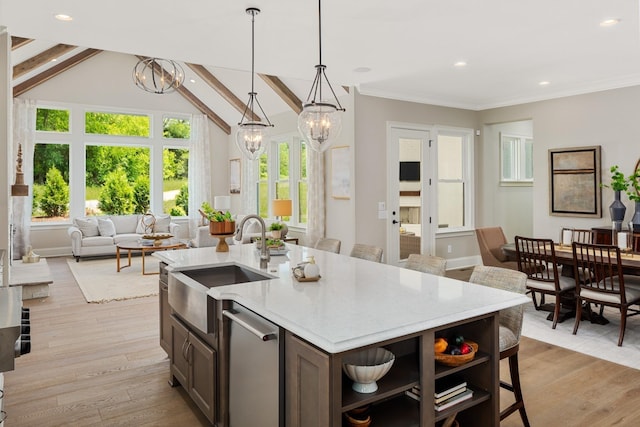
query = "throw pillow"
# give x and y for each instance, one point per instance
(162, 224)
(88, 227)
(106, 227)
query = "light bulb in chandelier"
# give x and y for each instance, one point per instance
(320, 123)
(251, 139)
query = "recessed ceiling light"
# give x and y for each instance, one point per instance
(544, 83)
(460, 64)
(610, 22)
(192, 80)
(362, 69)
(63, 17)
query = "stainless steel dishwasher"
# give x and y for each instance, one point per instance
(254, 370)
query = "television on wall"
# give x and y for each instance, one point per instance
(409, 171)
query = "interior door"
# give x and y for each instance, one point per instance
(408, 228)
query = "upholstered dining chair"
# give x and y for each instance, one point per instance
(427, 264)
(490, 241)
(329, 245)
(537, 259)
(600, 280)
(368, 252)
(510, 327)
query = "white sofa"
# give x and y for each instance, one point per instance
(99, 235)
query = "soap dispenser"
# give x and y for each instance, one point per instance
(311, 270)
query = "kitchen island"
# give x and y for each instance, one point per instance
(356, 305)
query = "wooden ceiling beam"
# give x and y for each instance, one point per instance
(54, 71)
(197, 102)
(41, 59)
(222, 90)
(283, 91)
(17, 42)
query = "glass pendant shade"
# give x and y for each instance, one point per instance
(251, 138)
(320, 123)
(158, 75)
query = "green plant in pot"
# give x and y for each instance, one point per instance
(276, 229)
(633, 192)
(619, 183)
(219, 222)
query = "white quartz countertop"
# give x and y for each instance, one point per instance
(355, 302)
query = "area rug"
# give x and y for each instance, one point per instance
(100, 282)
(599, 341)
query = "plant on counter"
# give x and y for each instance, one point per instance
(213, 215)
(274, 243)
(276, 226)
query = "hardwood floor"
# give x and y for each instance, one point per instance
(94, 364)
(101, 364)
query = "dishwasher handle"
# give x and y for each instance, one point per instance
(251, 326)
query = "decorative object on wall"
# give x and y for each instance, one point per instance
(19, 188)
(158, 75)
(340, 172)
(234, 176)
(252, 134)
(574, 182)
(320, 120)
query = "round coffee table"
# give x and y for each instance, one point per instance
(136, 245)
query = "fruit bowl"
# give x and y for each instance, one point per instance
(367, 367)
(457, 359)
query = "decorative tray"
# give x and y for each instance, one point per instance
(278, 251)
(306, 279)
(457, 360)
(155, 236)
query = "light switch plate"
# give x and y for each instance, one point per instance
(381, 206)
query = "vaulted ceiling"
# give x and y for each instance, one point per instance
(403, 50)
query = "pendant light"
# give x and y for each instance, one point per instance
(251, 135)
(320, 121)
(157, 75)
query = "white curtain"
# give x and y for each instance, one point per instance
(249, 191)
(315, 203)
(24, 133)
(199, 170)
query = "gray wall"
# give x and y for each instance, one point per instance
(607, 118)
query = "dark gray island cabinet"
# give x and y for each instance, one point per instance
(318, 393)
(356, 305)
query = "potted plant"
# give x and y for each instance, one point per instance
(219, 222)
(633, 192)
(618, 184)
(276, 229)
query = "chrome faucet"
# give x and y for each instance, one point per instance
(264, 250)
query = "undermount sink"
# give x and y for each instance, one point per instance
(188, 291)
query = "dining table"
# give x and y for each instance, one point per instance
(630, 262)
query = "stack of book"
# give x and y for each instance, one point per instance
(449, 391)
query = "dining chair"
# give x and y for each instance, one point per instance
(368, 252)
(509, 329)
(582, 235)
(537, 259)
(329, 245)
(603, 282)
(427, 264)
(490, 241)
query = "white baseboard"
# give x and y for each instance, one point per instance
(53, 252)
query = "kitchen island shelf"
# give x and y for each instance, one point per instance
(404, 375)
(443, 371)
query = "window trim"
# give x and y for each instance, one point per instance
(518, 161)
(468, 172)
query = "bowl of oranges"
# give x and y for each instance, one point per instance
(454, 350)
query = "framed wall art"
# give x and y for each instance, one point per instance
(340, 172)
(574, 182)
(234, 176)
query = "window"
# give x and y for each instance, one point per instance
(516, 160)
(113, 163)
(280, 170)
(455, 188)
